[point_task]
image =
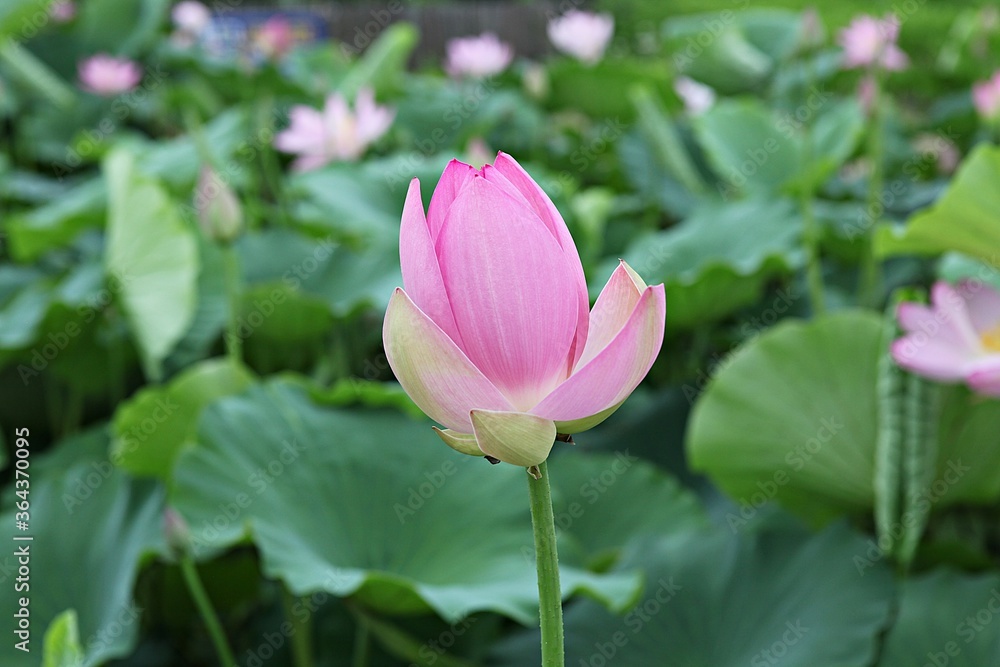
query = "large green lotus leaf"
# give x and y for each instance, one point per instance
(720, 258)
(791, 416)
(713, 48)
(211, 310)
(966, 218)
(371, 504)
(91, 526)
(158, 422)
(56, 224)
(946, 618)
(715, 598)
(603, 501)
(968, 450)
(747, 146)
(155, 256)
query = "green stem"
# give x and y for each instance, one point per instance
(870, 277)
(547, 560)
(208, 614)
(301, 632)
(361, 643)
(234, 344)
(811, 232)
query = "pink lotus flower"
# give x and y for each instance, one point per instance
(493, 336)
(108, 76)
(582, 35)
(477, 57)
(986, 98)
(335, 133)
(697, 97)
(275, 38)
(62, 11)
(870, 42)
(956, 339)
(190, 17)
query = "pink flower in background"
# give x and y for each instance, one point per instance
(108, 76)
(870, 42)
(956, 339)
(582, 35)
(944, 152)
(867, 92)
(275, 38)
(986, 98)
(190, 17)
(493, 336)
(335, 132)
(697, 97)
(62, 11)
(477, 57)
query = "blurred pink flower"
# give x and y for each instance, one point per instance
(335, 132)
(62, 11)
(582, 35)
(871, 42)
(275, 38)
(944, 152)
(484, 55)
(956, 338)
(191, 17)
(986, 98)
(493, 336)
(697, 97)
(867, 90)
(108, 76)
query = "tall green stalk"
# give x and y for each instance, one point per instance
(870, 276)
(207, 612)
(547, 560)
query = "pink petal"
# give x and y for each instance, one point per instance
(512, 291)
(982, 302)
(548, 213)
(432, 370)
(310, 162)
(613, 308)
(931, 357)
(421, 274)
(984, 377)
(614, 373)
(454, 177)
(305, 131)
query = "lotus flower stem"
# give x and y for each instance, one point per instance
(868, 283)
(208, 615)
(234, 344)
(301, 638)
(547, 560)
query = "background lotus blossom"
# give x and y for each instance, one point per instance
(107, 76)
(335, 132)
(582, 35)
(62, 11)
(479, 56)
(697, 97)
(956, 339)
(493, 337)
(191, 17)
(275, 38)
(871, 42)
(986, 98)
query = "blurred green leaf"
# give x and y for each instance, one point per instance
(966, 218)
(384, 62)
(153, 427)
(62, 642)
(91, 526)
(154, 255)
(602, 90)
(715, 598)
(436, 531)
(34, 73)
(945, 619)
(720, 258)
